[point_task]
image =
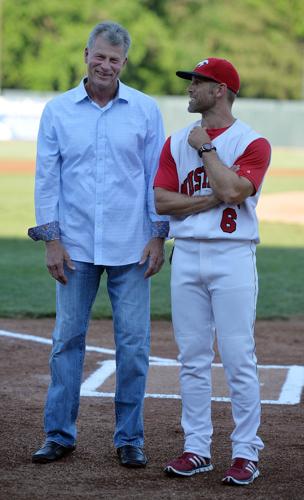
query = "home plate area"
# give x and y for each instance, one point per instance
(280, 384)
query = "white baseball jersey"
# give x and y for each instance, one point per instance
(214, 286)
(226, 221)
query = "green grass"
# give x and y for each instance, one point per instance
(16, 191)
(281, 285)
(17, 150)
(16, 205)
(287, 158)
(282, 184)
(26, 289)
(278, 235)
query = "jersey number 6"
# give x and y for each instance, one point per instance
(228, 224)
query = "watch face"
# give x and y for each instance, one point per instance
(205, 148)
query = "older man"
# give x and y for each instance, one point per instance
(98, 150)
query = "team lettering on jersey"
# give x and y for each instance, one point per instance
(195, 181)
(224, 220)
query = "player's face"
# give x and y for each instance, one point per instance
(104, 63)
(202, 95)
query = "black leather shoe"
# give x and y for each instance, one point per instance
(131, 456)
(51, 451)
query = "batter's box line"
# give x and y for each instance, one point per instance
(102, 350)
(290, 392)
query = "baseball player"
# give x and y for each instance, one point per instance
(209, 181)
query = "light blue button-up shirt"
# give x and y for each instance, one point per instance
(95, 171)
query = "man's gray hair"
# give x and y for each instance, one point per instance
(113, 33)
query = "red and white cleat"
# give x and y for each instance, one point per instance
(241, 472)
(187, 465)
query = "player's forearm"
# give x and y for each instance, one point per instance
(226, 184)
(172, 203)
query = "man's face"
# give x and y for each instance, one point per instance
(202, 95)
(104, 63)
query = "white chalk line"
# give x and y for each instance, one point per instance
(42, 340)
(290, 393)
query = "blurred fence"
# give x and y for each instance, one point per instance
(280, 121)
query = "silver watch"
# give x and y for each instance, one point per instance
(206, 148)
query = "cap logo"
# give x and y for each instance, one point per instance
(202, 63)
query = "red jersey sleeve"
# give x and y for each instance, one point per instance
(166, 175)
(254, 162)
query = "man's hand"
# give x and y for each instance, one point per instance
(154, 251)
(56, 255)
(198, 136)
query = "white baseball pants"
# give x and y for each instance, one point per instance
(214, 290)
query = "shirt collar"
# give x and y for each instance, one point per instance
(123, 92)
(80, 92)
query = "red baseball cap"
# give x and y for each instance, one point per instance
(219, 70)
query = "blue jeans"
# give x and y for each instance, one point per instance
(129, 293)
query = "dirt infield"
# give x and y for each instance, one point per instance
(17, 167)
(93, 471)
(28, 167)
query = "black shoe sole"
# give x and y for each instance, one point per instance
(133, 465)
(45, 460)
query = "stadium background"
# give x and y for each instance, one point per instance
(274, 105)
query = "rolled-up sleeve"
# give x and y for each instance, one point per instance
(45, 232)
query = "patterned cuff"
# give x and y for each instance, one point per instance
(45, 232)
(160, 229)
